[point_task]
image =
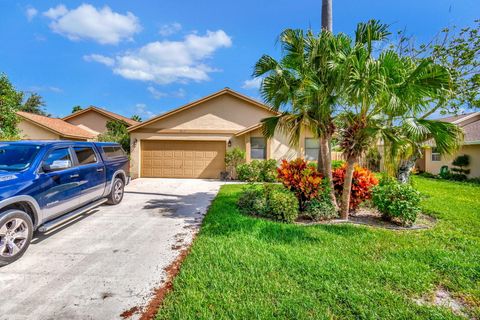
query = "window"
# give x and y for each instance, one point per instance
(257, 148)
(14, 157)
(435, 155)
(58, 159)
(312, 146)
(85, 155)
(113, 152)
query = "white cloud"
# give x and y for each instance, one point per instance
(44, 89)
(167, 62)
(156, 93)
(87, 22)
(169, 29)
(143, 112)
(252, 83)
(31, 12)
(100, 59)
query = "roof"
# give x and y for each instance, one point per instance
(249, 129)
(204, 99)
(56, 125)
(471, 128)
(108, 114)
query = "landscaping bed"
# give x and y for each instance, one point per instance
(242, 267)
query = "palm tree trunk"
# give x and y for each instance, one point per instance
(327, 15)
(327, 164)
(347, 188)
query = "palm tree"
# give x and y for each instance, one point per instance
(385, 97)
(327, 15)
(307, 82)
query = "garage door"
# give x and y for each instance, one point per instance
(183, 159)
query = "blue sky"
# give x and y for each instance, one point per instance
(146, 57)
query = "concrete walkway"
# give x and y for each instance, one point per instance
(110, 260)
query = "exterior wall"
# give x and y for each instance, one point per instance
(472, 150)
(30, 131)
(91, 121)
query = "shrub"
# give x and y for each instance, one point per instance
(257, 171)
(233, 158)
(320, 209)
(460, 163)
(300, 178)
(397, 201)
(362, 183)
(282, 205)
(337, 164)
(252, 201)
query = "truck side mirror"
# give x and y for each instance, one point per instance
(57, 165)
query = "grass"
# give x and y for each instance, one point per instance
(241, 267)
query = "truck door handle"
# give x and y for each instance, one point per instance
(74, 176)
(100, 170)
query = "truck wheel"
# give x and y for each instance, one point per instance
(16, 230)
(116, 194)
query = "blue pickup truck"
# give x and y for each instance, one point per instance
(46, 183)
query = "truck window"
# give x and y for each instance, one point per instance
(58, 157)
(113, 152)
(85, 155)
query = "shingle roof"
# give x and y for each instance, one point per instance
(105, 112)
(57, 126)
(471, 128)
(472, 131)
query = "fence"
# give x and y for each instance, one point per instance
(361, 162)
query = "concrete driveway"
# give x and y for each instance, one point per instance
(109, 260)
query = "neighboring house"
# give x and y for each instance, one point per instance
(37, 127)
(432, 161)
(191, 141)
(95, 119)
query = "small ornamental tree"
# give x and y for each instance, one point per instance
(302, 179)
(362, 183)
(460, 163)
(233, 158)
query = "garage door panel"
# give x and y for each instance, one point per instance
(182, 159)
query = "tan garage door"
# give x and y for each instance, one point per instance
(183, 159)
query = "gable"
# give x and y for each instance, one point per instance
(90, 120)
(224, 112)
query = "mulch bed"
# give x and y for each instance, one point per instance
(371, 217)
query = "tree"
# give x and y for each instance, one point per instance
(34, 104)
(387, 97)
(10, 103)
(76, 109)
(305, 84)
(458, 50)
(327, 21)
(136, 117)
(116, 132)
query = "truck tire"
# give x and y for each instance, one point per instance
(116, 194)
(16, 230)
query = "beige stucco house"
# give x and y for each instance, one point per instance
(37, 127)
(191, 141)
(94, 119)
(433, 161)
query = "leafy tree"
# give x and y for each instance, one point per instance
(137, 118)
(76, 109)
(458, 50)
(387, 97)
(116, 132)
(306, 84)
(34, 104)
(10, 103)
(233, 158)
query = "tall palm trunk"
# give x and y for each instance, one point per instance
(326, 160)
(327, 15)
(347, 186)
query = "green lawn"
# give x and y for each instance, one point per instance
(241, 267)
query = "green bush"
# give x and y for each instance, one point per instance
(282, 205)
(337, 164)
(396, 201)
(252, 201)
(320, 209)
(233, 158)
(258, 171)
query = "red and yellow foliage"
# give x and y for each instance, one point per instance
(302, 179)
(362, 183)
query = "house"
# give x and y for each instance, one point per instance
(432, 161)
(37, 127)
(94, 119)
(191, 141)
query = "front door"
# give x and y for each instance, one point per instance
(59, 183)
